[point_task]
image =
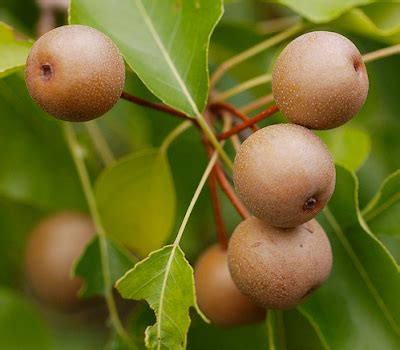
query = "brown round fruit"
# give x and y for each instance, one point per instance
(320, 80)
(54, 245)
(217, 295)
(284, 174)
(278, 268)
(75, 73)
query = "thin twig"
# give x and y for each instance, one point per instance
(276, 24)
(264, 45)
(238, 128)
(261, 102)
(247, 85)
(174, 134)
(212, 182)
(216, 205)
(228, 190)
(91, 201)
(156, 106)
(382, 53)
(232, 110)
(100, 143)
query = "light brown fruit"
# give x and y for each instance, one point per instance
(75, 73)
(284, 174)
(217, 295)
(54, 245)
(320, 80)
(278, 268)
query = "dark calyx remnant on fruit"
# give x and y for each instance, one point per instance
(54, 245)
(320, 80)
(278, 268)
(46, 71)
(75, 73)
(284, 174)
(217, 295)
(310, 203)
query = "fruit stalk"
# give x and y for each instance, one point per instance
(223, 106)
(156, 106)
(238, 128)
(230, 193)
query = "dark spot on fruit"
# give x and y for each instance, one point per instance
(46, 71)
(301, 246)
(310, 203)
(255, 245)
(356, 66)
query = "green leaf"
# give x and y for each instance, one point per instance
(136, 199)
(383, 214)
(20, 325)
(13, 50)
(88, 266)
(207, 336)
(319, 11)
(349, 146)
(380, 20)
(165, 280)
(36, 167)
(363, 282)
(165, 43)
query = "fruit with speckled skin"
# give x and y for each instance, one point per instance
(284, 174)
(320, 80)
(217, 295)
(278, 268)
(75, 73)
(54, 245)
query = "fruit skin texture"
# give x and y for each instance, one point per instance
(54, 245)
(278, 268)
(217, 295)
(284, 174)
(75, 73)
(320, 80)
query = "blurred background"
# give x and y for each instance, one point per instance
(37, 176)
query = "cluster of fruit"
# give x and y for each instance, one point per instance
(285, 176)
(283, 173)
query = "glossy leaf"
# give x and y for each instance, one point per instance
(349, 146)
(36, 166)
(20, 325)
(383, 214)
(165, 280)
(359, 293)
(136, 199)
(88, 266)
(13, 50)
(165, 43)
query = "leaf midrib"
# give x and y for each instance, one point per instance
(353, 256)
(166, 56)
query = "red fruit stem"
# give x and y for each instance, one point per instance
(156, 106)
(218, 106)
(238, 128)
(228, 190)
